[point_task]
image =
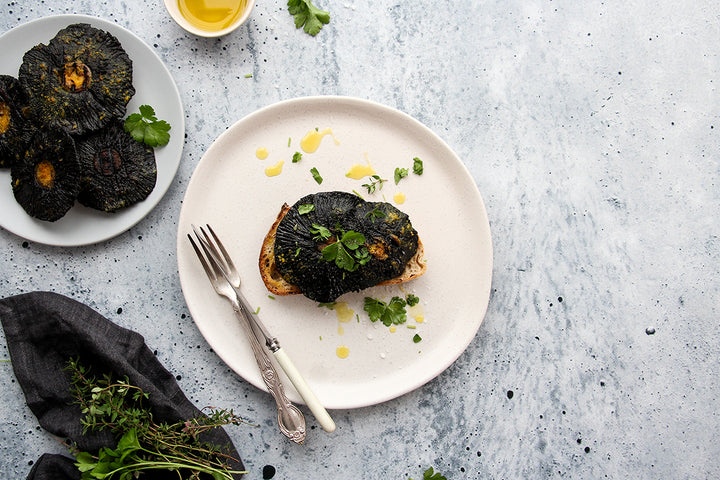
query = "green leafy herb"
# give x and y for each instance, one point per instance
(348, 252)
(375, 183)
(143, 445)
(328, 305)
(417, 166)
(400, 173)
(306, 208)
(146, 128)
(430, 474)
(411, 299)
(417, 338)
(375, 213)
(321, 233)
(308, 16)
(391, 313)
(297, 156)
(316, 175)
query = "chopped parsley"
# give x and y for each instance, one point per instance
(306, 208)
(316, 175)
(297, 156)
(417, 166)
(417, 338)
(321, 233)
(411, 300)
(400, 173)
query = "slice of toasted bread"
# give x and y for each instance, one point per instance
(277, 285)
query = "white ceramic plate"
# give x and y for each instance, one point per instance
(154, 86)
(231, 191)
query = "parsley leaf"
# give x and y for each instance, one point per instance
(400, 173)
(144, 127)
(417, 166)
(412, 300)
(321, 233)
(297, 156)
(417, 338)
(338, 251)
(308, 16)
(306, 208)
(391, 313)
(316, 175)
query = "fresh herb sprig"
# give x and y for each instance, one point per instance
(144, 127)
(118, 406)
(348, 251)
(376, 183)
(308, 16)
(390, 313)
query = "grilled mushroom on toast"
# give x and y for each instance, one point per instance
(331, 243)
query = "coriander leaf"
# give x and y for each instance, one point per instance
(330, 252)
(144, 127)
(344, 260)
(297, 156)
(306, 208)
(352, 240)
(316, 175)
(392, 313)
(308, 16)
(431, 475)
(400, 173)
(374, 308)
(362, 255)
(321, 233)
(417, 166)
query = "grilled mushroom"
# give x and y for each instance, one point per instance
(117, 170)
(15, 129)
(79, 81)
(46, 179)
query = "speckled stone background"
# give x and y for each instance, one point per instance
(592, 130)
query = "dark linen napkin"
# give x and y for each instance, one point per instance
(43, 331)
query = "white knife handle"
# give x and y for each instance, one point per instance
(322, 416)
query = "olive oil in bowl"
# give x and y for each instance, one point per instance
(212, 15)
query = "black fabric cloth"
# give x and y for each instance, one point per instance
(43, 331)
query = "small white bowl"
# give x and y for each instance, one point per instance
(174, 10)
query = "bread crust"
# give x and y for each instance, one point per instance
(277, 285)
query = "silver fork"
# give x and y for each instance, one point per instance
(226, 280)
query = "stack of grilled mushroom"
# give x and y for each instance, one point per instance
(61, 127)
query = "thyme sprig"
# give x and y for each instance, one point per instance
(143, 444)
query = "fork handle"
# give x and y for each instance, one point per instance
(290, 419)
(312, 402)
